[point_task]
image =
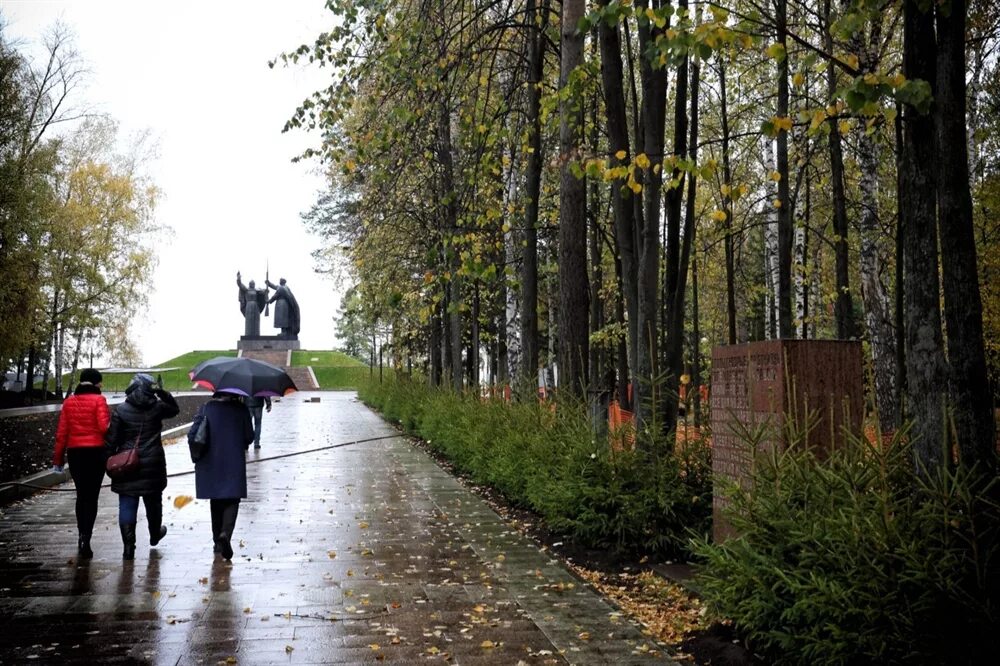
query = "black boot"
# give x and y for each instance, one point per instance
(154, 516)
(128, 538)
(229, 513)
(155, 536)
(83, 547)
(224, 546)
(215, 507)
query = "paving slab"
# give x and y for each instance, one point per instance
(364, 553)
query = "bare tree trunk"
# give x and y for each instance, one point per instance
(899, 295)
(622, 197)
(727, 208)
(511, 316)
(50, 343)
(785, 328)
(771, 262)
(926, 372)
(452, 314)
(800, 257)
(808, 276)
(677, 307)
(76, 360)
(843, 307)
(59, 361)
(874, 294)
(672, 241)
(654, 95)
(29, 379)
(474, 373)
(454, 318)
(695, 345)
(963, 309)
(435, 345)
(594, 207)
(532, 186)
(573, 283)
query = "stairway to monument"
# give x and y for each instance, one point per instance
(301, 376)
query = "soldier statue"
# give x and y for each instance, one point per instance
(286, 309)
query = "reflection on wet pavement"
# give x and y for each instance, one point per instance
(362, 554)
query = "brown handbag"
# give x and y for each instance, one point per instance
(125, 463)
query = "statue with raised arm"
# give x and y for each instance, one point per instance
(252, 301)
(286, 309)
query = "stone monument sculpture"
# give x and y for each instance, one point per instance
(286, 309)
(252, 302)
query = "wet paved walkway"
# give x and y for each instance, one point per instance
(367, 553)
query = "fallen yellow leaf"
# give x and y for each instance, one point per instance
(181, 501)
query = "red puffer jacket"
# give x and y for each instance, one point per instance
(84, 420)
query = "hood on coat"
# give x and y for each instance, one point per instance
(141, 391)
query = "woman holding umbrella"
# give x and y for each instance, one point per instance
(221, 471)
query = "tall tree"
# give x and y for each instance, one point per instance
(654, 94)
(784, 202)
(622, 196)
(843, 305)
(536, 18)
(573, 282)
(970, 387)
(926, 372)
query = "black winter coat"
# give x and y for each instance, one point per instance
(142, 415)
(222, 472)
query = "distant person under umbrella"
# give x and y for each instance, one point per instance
(220, 475)
(141, 416)
(83, 422)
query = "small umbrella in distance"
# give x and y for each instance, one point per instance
(245, 376)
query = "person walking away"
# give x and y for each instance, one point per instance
(140, 419)
(256, 405)
(83, 423)
(220, 475)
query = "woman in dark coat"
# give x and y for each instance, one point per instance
(221, 473)
(141, 417)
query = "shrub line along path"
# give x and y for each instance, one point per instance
(362, 554)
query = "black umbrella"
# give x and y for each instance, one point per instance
(245, 376)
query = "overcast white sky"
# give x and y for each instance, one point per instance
(195, 74)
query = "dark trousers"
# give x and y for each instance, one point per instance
(86, 466)
(128, 510)
(257, 415)
(224, 512)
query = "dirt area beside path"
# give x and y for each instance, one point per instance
(26, 442)
(666, 611)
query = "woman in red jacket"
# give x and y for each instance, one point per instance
(80, 437)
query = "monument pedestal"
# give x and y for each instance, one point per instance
(267, 342)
